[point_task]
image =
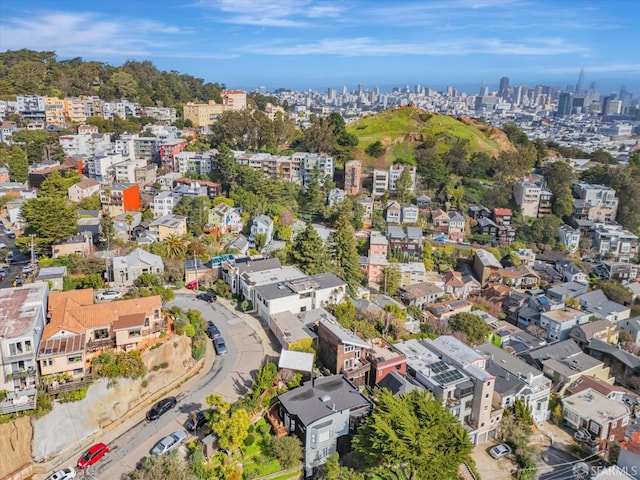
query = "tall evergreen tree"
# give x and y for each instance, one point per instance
(414, 434)
(16, 160)
(346, 258)
(309, 252)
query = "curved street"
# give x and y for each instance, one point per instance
(230, 376)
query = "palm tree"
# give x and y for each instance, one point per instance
(175, 247)
(129, 219)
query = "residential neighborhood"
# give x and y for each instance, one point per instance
(144, 264)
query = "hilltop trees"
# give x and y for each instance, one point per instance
(16, 159)
(50, 219)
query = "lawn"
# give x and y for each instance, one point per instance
(255, 457)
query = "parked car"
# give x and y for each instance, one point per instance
(92, 455)
(194, 284)
(212, 330)
(500, 451)
(4, 269)
(220, 346)
(169, 443)
(3, 246)
(196, 421)
(207, 297)
(10, 234)
(26, 270)
(17, 281)
(10, 256)
(65, 474)
(109, 295)
(160, 408)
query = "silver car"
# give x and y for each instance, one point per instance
(169, 443)
(500, 451)
(65, 474)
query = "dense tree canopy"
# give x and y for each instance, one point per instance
(51, 219)
(40, 73)
(414, 434)
(474, 328)
(309, 252)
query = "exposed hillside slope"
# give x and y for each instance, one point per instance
(401, 129)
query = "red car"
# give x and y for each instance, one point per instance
(92, 455)
(195, 284)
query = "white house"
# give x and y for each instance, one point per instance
(164, 203)
(570, 237)
(299, 295)
(262, 225)
(83, 189)
(410, 214)
(24, 311)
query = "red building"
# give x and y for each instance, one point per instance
(120, 198)
(384, 359)
(168, 151)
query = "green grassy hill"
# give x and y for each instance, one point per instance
(400, 130)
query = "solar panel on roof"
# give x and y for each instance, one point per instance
(448, 377)
(458, 303)
(439, 367)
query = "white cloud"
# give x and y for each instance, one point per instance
(273, 13)
(85, 34)
(367, 47)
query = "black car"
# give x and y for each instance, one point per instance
(10, 234)
(207, 297)
(212, 330)
(162, 407)
(196, 421)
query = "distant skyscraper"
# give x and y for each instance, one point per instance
(344, 90)
(482, 89)
(625, 97)
(331, 94)
(580, 84)
(565, 104)
(503, 91)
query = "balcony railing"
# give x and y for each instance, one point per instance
(102, 344)
(27, 372)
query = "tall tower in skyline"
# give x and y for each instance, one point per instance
(580, 84)
(504, 84)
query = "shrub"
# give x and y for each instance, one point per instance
(119, 364)
(198, 347)
(44, 404)
(250, 440)
(288, 450)
(74, 396)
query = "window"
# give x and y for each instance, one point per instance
(134, 333)
(74, 358)
(349, 348)
(101, 334)
(156, 313)
(27, 346)
(625, 421)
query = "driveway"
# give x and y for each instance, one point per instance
(490, 468)
(231, 377)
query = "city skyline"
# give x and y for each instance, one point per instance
(302, 44)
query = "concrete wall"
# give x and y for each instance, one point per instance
(71, 423)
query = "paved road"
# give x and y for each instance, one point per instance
(230, 376)
(556, 464)
(15, 266)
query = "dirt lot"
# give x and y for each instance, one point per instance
(15, 445)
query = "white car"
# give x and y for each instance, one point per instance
(109, 295)
(500, 451)
(65, 474)
(169, 443)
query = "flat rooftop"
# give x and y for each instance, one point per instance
(19, 308)
(595, 406)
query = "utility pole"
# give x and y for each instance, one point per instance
(195, 265)
(33, 255)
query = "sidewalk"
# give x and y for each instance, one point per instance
(135, 416)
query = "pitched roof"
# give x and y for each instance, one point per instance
(62, 345)
(322, 398)
(75, 312)
(86, 183)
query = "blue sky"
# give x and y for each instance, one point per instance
(316, 44)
